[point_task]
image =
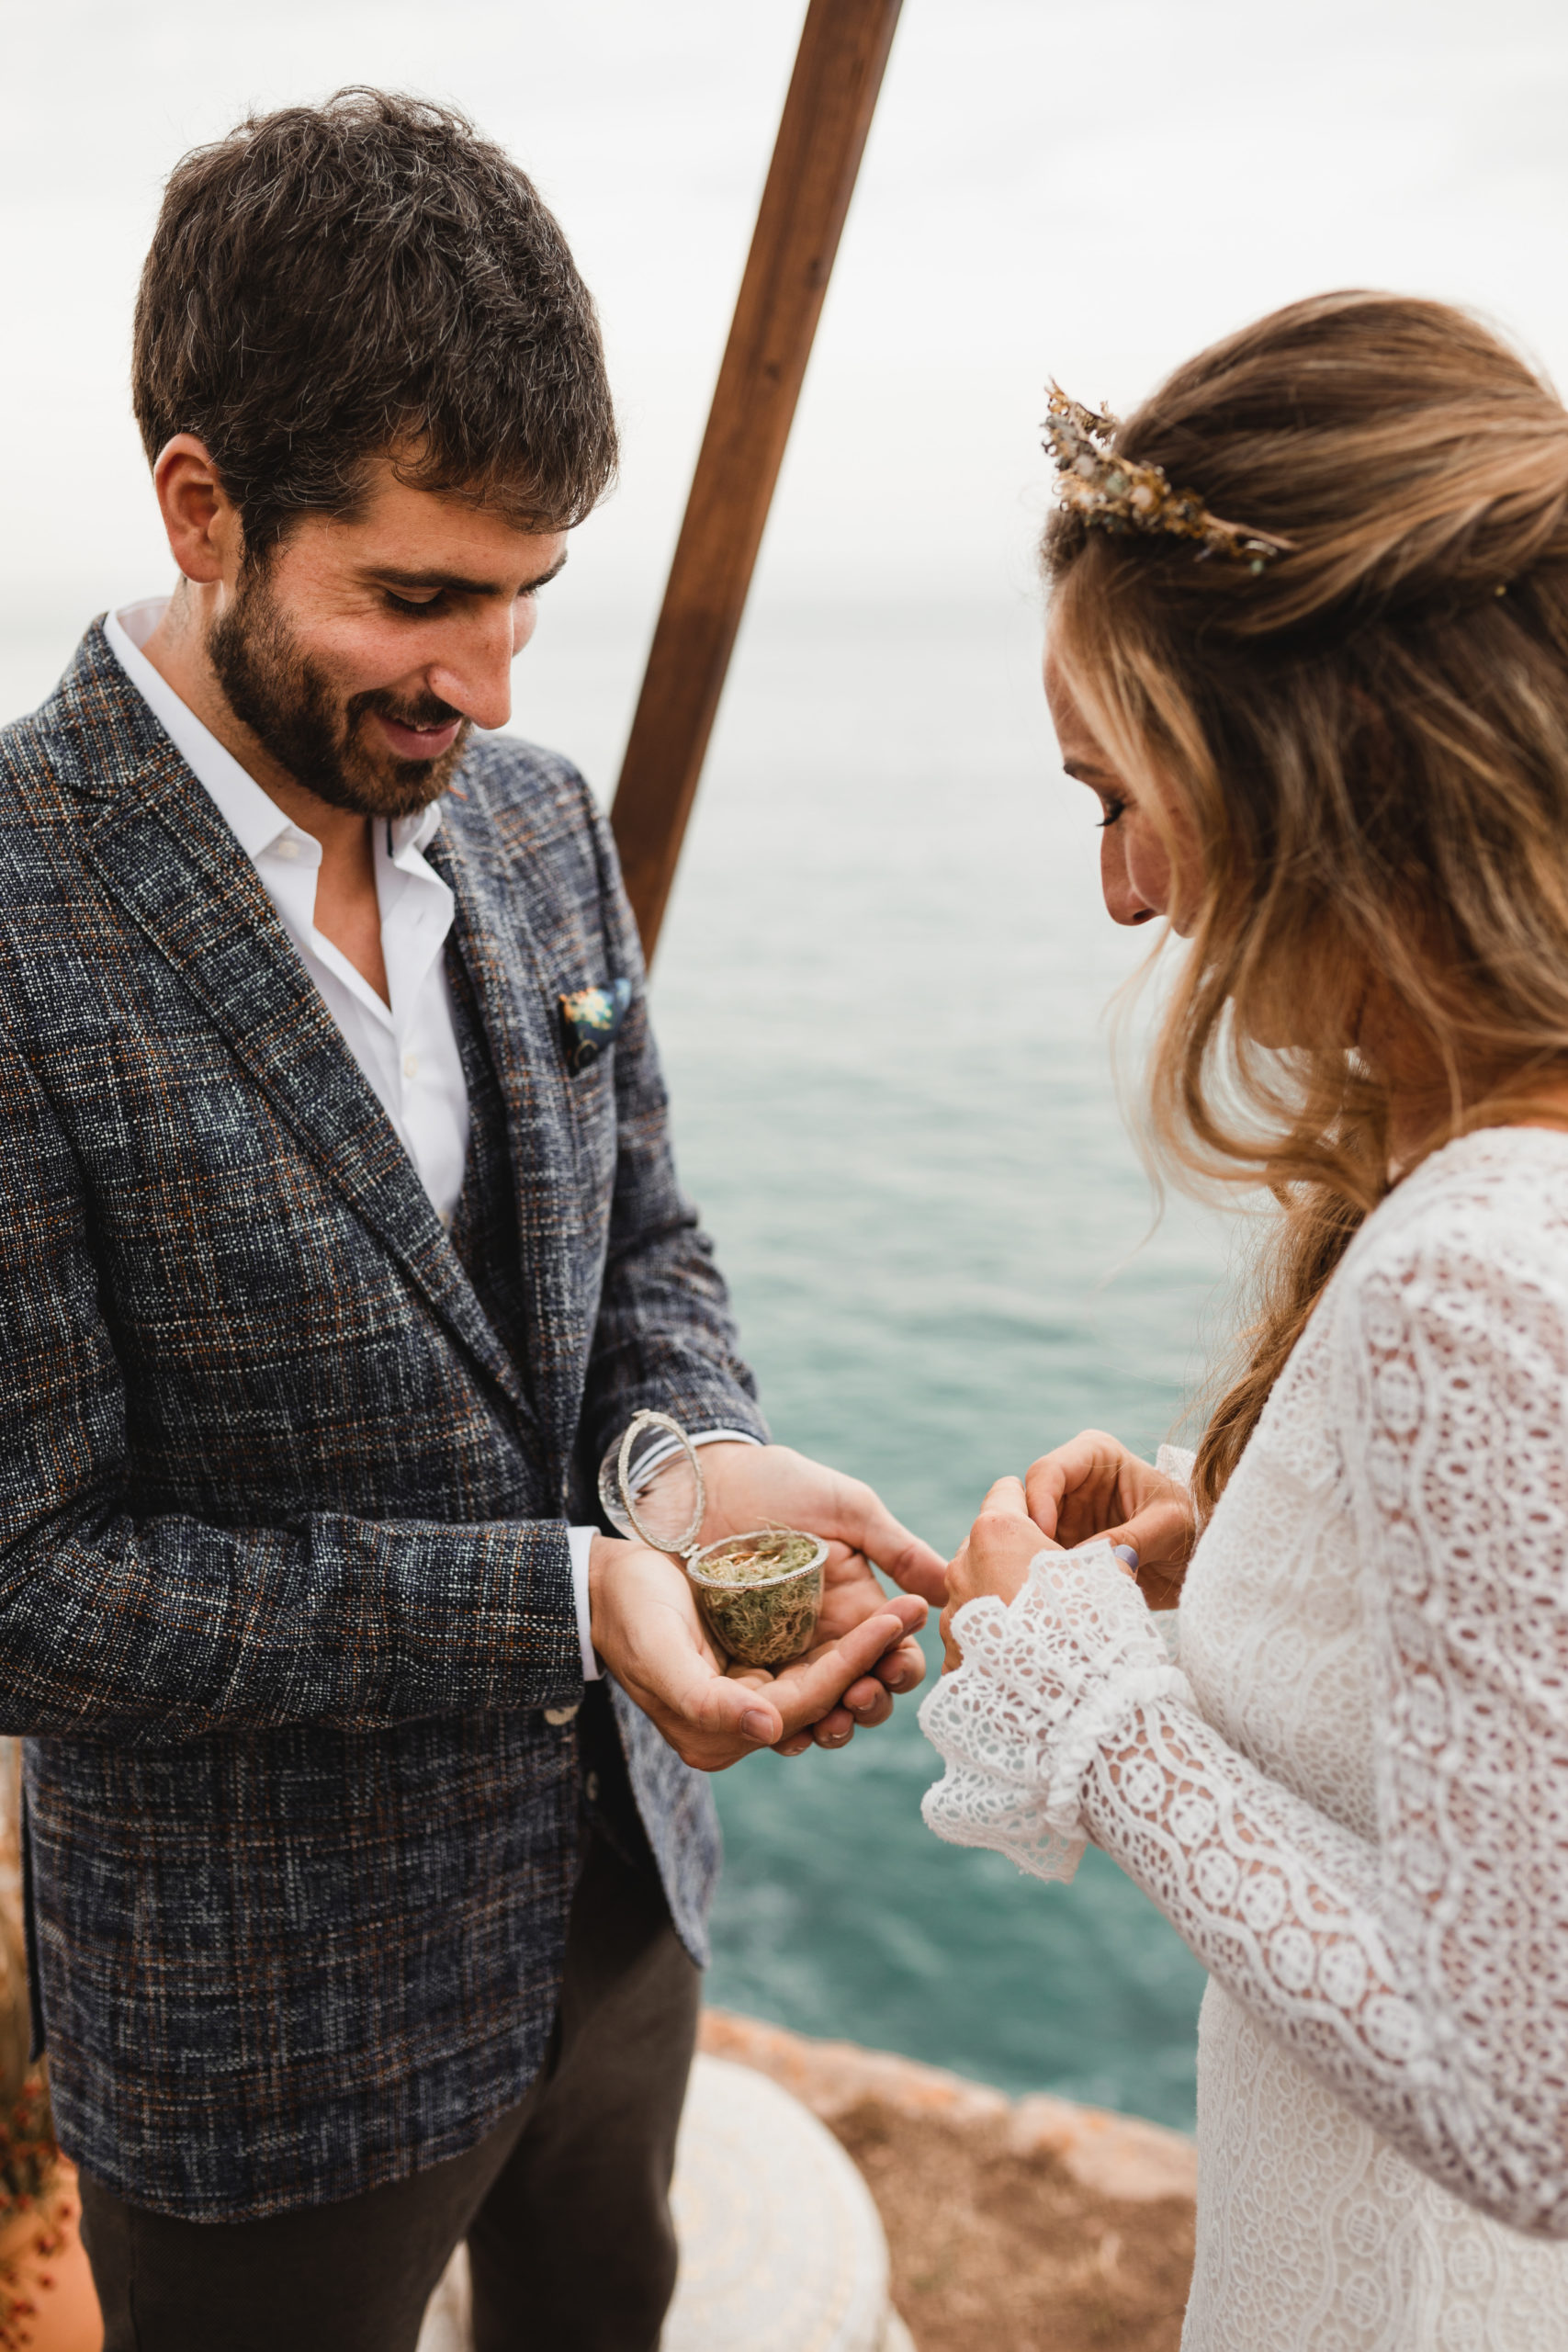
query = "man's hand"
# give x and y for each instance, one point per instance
(1093, 1486)
(772, 1485)
(647, 1629)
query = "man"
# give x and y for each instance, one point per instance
(366, 1916)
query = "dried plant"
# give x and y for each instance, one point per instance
(31, 2183)
(31, 2187)
(760, 1594)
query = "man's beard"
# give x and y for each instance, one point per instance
(324, 744)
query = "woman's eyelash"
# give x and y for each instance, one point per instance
(1114, 810)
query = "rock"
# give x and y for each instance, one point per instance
(448, 2325)
(1117, 2155)
(781, 2246)
(830, 2077)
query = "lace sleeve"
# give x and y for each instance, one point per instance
(1426, 1977)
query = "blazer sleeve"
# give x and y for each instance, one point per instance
(164, 1628)
(665, 1337)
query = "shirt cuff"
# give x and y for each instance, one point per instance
(581, 1540)
(668, 1447)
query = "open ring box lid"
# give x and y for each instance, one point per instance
(756, 1619)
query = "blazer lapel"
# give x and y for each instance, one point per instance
(165, 854)
(515, 1006)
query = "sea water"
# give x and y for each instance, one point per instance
(881, 996)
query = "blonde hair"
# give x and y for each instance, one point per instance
(1360, 752)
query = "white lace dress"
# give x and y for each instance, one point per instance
(1350, 1796)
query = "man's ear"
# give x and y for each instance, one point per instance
(201, 519)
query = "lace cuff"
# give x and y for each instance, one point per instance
(1045, 1683)
(1177, 1462)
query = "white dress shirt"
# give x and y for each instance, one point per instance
(407, 1050)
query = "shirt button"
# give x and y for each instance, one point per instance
(410, 1064)
(287, 849)
(558, 1715)
(590, 1788)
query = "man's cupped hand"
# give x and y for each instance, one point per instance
(647, 1630)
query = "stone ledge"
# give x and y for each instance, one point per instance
(1115, 2156)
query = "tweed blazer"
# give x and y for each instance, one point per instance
(284, 1586)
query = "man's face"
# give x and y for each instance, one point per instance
(362, 653)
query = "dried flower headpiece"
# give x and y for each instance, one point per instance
(1114, 493)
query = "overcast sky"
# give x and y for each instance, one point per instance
(1092, 192)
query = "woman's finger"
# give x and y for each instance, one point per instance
(1161, 1533)
(1092, 1459)
(1162, 1538)
(1002, 1543)
(1006, 1495)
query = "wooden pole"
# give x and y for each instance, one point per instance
(832, 94)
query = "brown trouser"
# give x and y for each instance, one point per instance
(564, 2202)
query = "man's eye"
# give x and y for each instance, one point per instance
(413, 604)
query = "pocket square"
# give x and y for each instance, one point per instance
(590, 1019)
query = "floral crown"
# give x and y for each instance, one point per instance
(1109, 493)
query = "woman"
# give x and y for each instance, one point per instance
(1309, 649)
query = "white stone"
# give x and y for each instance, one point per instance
(448, 2325)
(782, 2249)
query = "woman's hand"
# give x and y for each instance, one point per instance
(994, 1558)
(1093, 1488)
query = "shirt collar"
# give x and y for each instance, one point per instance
(251, 815)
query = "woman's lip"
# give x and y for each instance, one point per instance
(419, 742)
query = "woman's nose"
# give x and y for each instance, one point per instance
(1124, 903)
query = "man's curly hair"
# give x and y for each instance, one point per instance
(371, 277)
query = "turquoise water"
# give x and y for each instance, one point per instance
(880, 996)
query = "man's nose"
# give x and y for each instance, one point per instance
(474, 673)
